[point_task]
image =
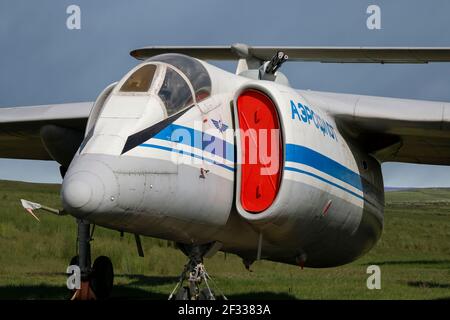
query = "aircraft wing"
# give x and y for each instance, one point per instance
(398, 130)
(319, 54)
(20, 127)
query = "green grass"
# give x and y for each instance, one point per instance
(413, 254)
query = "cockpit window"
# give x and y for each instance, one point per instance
(194, 71)
(175, 92)
(140, 80)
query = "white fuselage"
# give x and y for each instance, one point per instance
(176, 186)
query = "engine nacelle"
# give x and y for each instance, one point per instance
(312, 182)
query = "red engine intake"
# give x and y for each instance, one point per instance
(261, 147)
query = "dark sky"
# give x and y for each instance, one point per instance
(42, 62)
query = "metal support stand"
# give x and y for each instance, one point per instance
(195, 274)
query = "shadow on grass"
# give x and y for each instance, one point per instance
(428, 284)
(19, 292)
(129, 291)
(261, 296)
(126, 292)
(139, 279)
(120, 292)
(406, 262)
(60, 292)
(49, 292)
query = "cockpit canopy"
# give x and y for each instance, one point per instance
(177, 79)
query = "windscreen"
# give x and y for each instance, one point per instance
(140, 80)
(175, 92)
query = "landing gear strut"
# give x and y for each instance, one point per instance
(195, 274)
(96, 280)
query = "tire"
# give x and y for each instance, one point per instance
(74, 261)
(102, 277)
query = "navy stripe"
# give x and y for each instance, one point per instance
(294, 153)
(197, 139)
(232, 169)
(324, 180)
(316, 160)
(192, 155)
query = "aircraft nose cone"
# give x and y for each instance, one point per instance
(82, 193)
(77, 193)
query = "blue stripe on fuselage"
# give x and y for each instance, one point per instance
(192, 155)
(303, 155)
(197, 139)
(324, 180)
(294, 153)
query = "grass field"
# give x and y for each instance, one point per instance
(413, 254)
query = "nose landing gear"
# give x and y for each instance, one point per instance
(195, 275)
(96, 281)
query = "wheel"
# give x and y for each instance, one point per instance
(206, 295)
(74, 261)
(102, 277)
(183, 294)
